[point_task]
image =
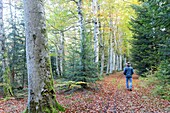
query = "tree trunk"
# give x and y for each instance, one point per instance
(61, 52)
(13, 24)
(57, 60)
(82, 33)
(96, 30)
(41, 93)
(120, 62)
(102, 61)
(5, 68)
(111, 47)
(108, 63)
(117, 62)
(111, 59)
(102, 48)
(114, 66)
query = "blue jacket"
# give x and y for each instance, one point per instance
(128, 71)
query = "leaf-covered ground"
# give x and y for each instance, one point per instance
(110, 96)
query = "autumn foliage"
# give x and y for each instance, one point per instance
(106, 96)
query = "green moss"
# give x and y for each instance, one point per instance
(49, 91)
(7, 87)
(59, 107)
(48, 103)
(49, 85)
(6, 98)
(48, 65)
(46, 110)
(33, 107)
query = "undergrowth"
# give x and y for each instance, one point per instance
(160, 81)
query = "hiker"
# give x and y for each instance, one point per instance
(128, 72)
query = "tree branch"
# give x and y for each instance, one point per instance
(74, 1)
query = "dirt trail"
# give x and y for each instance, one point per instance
(110, 96)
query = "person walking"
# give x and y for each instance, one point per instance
(128, 72)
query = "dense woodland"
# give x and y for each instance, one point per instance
(78, 42)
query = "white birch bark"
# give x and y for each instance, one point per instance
(120, 42)
(111, 59)
(120, 62)
(114, 61)
(82, 31)
(41, 94)
(57, 60)
(111, 47)
(81, 20)
(114, 52)
(102, 62)
(102, 46)
(108, 64)
(61, 52)
(117, 59)
(96, 29)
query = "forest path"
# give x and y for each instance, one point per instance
(112, 97)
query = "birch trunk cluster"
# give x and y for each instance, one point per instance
(116, 59)
(108, 56)
(115, 56)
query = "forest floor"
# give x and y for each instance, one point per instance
(110, 96)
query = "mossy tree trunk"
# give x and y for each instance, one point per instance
(41, 94)
(5, 68)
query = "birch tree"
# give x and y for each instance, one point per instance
(5, 68)
(82, 30)
(60, 20)
(96, 30)
(61, 52)
(41, 93)
(102, 48)
(86, 68)
(111, 46)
